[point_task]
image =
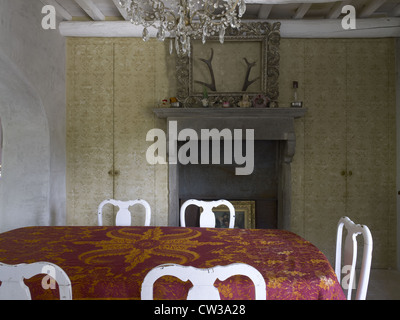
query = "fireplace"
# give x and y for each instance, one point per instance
(269, 184)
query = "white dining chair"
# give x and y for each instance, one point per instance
(203, 279)
(350, 257)
(207, 217)
(123, 217)
(12, 280)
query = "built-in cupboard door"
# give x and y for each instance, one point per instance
(113, 86)
(324, 141)
(370, 171)
(89, 130)
(349, 142)
(134, 98)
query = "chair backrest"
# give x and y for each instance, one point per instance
(13, 286)
(123, 217)
(350, 257)
(207, 217)
(203, 279)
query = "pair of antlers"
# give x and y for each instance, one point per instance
(212, 85)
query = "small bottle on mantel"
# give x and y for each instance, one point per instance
(296, 103)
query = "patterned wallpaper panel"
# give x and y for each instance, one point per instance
(345, 152)
(112, 87)
(347, 86)
(89, 129)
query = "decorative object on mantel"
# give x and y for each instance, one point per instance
(245, 102)
(204, 101)
(185, 19)
(263, 37)
(260, 101)
(296, 103)
(174, 102)
(164, 103)
(273, 104)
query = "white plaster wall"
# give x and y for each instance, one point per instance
(1, 143)
(24, 187)
(32, 108)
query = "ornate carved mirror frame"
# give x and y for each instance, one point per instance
(268, 34)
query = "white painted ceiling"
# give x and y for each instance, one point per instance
(256, 9)
(299, 18)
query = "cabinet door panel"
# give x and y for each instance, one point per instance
(135, 89)
(89, 130)
(325, 141)
(113, 85)
(369, 143)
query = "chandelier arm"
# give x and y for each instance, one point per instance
(174, 17)
(221, 15)
(185, 19)
(208, 13)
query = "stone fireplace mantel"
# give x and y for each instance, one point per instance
(231, 112)
(268, 124)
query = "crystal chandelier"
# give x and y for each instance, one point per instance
(183, 20)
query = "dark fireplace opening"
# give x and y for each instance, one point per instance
(219, 181)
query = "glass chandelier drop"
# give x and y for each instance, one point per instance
(183, 20)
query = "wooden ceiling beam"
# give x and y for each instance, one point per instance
(91, 9)
(396, 11)
(265, 10)
(304, 28)
(336, 10)
(302, 10)
(60, 11)
(287, 1)
(121, 11)
(370, 8)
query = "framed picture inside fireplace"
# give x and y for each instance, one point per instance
(244, 215)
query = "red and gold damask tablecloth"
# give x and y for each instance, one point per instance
(111, 262)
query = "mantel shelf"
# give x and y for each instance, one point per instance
(230, 112)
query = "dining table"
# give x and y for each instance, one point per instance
(110, 262)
